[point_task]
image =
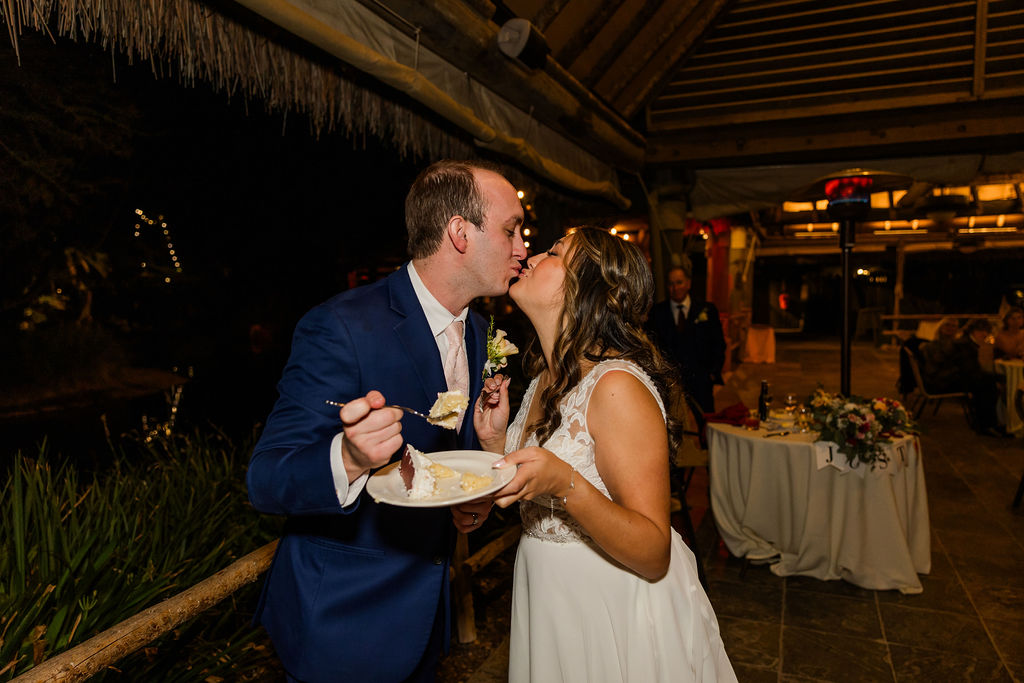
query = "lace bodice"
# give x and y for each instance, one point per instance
(544, 517)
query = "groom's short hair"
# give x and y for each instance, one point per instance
(444, 189)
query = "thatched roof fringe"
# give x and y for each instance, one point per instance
(199, 45)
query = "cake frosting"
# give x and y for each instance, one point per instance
(447, 408)
(420, 474)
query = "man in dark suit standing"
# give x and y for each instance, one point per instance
(359, 591)
(689, 332)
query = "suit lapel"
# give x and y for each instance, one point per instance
(476, 341)
(695, 308)
(412, 334)
(413, 337)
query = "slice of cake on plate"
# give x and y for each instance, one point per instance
(471, 482)
(420, 474)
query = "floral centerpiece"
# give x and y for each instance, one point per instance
(859, 426)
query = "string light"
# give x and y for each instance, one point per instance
(165, 231)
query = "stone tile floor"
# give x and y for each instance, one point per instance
(967, 625)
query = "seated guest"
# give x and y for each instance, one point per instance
(955, 363)
(1010, 339)
(906, 383)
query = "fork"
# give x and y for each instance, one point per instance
(406, 409)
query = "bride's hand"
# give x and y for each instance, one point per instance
(540, 471)
(490, 419)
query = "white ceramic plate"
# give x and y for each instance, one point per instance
(385, 486)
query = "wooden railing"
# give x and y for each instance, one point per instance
(108, 647)
(105, 649)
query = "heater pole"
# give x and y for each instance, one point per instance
(849, 200)
(846, 238)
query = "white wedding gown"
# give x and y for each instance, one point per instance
(578, 615)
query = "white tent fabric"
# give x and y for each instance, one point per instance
(359, 37)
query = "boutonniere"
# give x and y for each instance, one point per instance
(498, 350)
(702, 317)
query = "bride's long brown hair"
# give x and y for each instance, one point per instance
(607, 292)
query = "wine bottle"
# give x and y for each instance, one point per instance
(763, 401)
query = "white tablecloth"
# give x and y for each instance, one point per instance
(1013, 372)
(778, 497)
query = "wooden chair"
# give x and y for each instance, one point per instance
(923, 397)
(1018, 402)
(691, 454)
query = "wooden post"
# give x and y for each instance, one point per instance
(463, 589)
(897, 290)
(464, 567)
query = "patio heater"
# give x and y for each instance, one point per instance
(849, 200)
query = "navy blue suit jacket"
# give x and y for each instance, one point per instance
(353, 593)
(699, 351)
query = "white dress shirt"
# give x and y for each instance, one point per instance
(681, 309)
(438, 318)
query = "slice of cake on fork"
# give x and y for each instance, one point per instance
(447, 408)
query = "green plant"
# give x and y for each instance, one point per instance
(80, 553)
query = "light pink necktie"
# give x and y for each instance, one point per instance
(456, 367)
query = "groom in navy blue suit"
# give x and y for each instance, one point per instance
(358, 591)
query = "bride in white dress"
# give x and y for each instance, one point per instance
(604, 589)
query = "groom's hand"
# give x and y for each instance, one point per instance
(373, 433)
(469, 516)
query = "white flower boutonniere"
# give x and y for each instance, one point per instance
(498, 350)
(702, 317)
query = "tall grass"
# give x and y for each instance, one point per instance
(81, 552)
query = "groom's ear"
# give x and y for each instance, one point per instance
(457, 229)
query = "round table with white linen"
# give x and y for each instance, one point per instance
(795, 502)
(1013, 374)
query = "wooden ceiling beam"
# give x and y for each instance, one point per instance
(980, 36)
(905, 19)
(817, 105)
(829, 14)
(761, 13)
(771, 41)
(966, 127)
(579, 42)
(548, 13)
(659, 29)
(886, 49)
(629, 93)
(830, 71)
(634, 19)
